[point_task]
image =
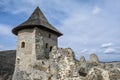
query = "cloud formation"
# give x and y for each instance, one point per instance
(110, 50)
(5, 30)
(96, 10)
(106, 45)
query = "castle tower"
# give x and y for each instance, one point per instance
(36, 37)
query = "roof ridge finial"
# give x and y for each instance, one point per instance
(37, 7)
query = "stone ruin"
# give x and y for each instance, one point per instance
(62, 65)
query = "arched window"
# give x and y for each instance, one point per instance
(50, 48)
(23, 45)
(49, 36)
(46, 45)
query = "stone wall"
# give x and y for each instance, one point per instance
(44, 42)
(25, 54)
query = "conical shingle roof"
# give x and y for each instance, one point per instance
(37, 19)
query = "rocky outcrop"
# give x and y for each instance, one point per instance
(97, 73)
(61, 65)
(94, 58)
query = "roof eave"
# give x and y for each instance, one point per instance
(17, 29)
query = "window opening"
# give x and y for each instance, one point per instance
(18, 60)
(46, 45)
(43, 63)
(50, 48)
(23, 45)
(49, 36)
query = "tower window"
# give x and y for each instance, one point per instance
(50, 48)
(23, 45)
(46, 45)
(43, 63)
(49, 36)
(18, 60)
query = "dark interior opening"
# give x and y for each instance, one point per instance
(46, 45)
(49, 36)
(50, 48)
(82, 72)
(23, 45)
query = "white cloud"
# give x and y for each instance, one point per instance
(112, 50)
(96, 10)
(5, 30)
(84, 51)
(106, 45)
(109, 50)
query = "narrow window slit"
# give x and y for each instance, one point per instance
(23, 45)
(46, 45)
(50, 48)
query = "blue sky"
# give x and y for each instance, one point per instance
(89, 26)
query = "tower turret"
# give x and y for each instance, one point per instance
(36, 37)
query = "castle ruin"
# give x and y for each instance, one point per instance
(38, 56)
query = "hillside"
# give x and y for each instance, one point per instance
(7, 63)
